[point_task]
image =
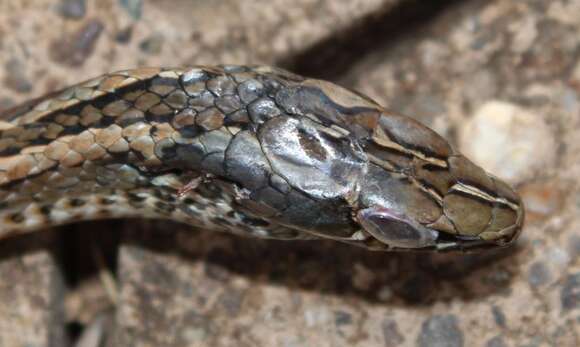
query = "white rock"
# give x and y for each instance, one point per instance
(508, 141)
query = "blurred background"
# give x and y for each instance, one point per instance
(499, 79)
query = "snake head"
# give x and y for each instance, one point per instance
(420, 193)
(371, 177)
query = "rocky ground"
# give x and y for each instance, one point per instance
(500, 79)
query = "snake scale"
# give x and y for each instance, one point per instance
(256, 151)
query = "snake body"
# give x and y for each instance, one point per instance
(251, 150)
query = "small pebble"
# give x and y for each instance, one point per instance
(440, 331)
(152, 45)
(498, 316)
(509, 141)
(569, 101)
(570, 294)
(391, 333)
(574, 246)
(74, 50)
(231, 300)
(539, 275)
(194, 334)
(73, 9)
(543, 198)
(499, 277)
(15, 78)
(559, 257)
(385, 293)
(133, 7)
(124, 35)
(535, 341)
(342, 318)
(5, 103)
(496, 342)
(316, 316)
(363, 277)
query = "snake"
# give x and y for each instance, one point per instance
(250, 150)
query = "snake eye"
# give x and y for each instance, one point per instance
(395, 230)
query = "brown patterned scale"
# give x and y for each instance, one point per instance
(251, 150)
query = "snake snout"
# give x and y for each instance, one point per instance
(481, 206)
